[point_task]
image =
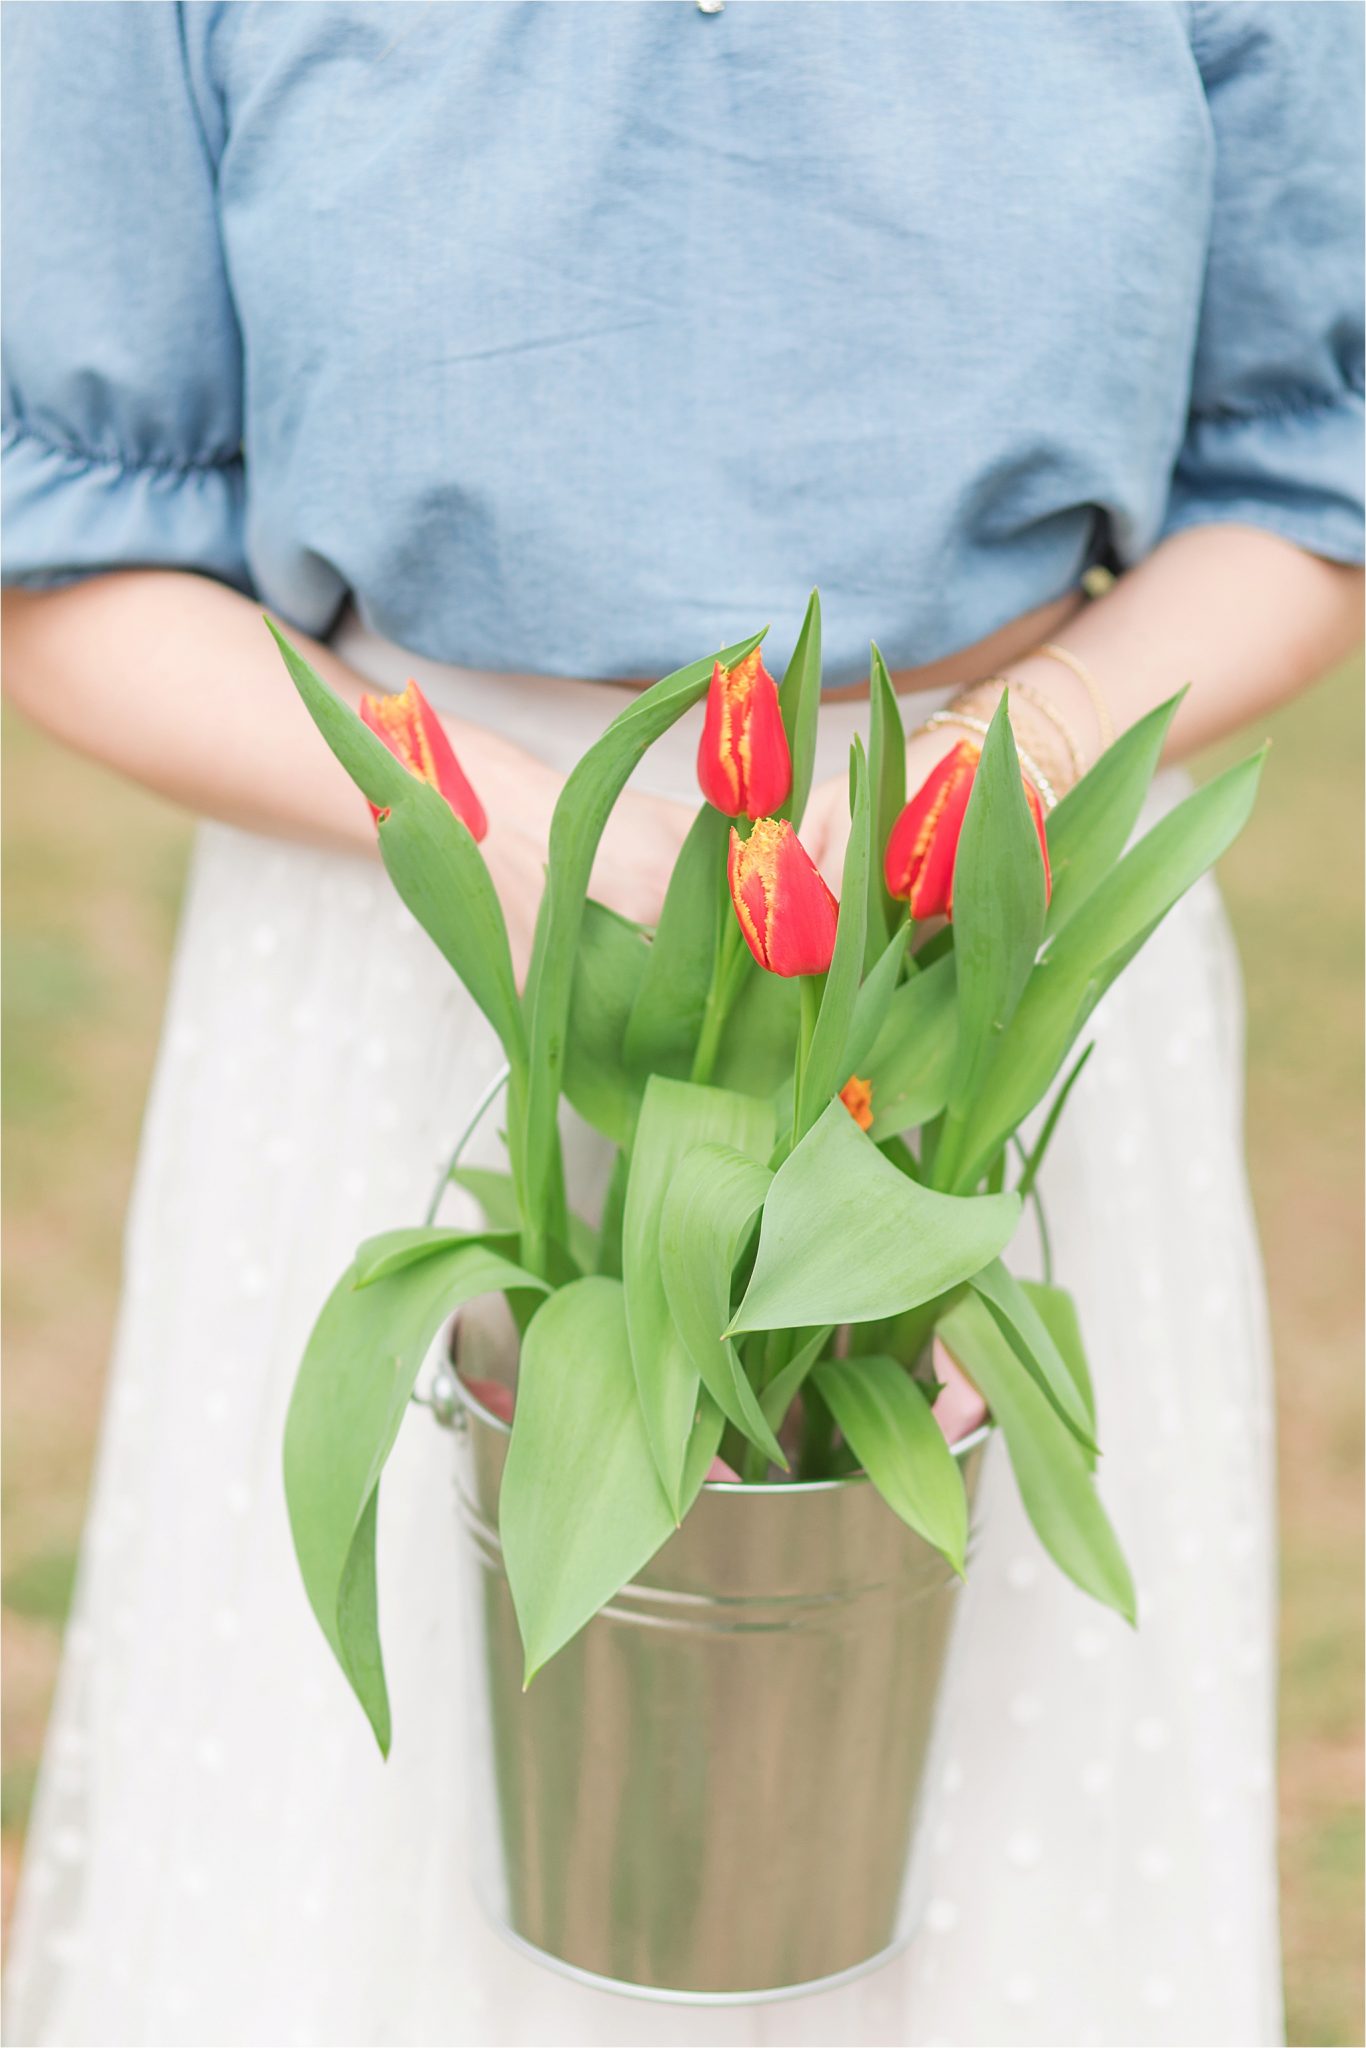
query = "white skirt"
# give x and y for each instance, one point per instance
(218, 1854)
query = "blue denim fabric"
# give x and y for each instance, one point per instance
(583, 338)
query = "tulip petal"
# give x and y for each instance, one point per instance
(1035, 802)
(766, 761)
(744, 764)
(718, 770)
(787, 913)
(749, 896)
(924, 839)
(923, 844)
(414, 735)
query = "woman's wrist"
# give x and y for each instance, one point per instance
(1049, 754)
(512, 784)
(1058, 717)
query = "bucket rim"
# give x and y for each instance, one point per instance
(731, 1487)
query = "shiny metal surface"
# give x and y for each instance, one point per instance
(711, 1792)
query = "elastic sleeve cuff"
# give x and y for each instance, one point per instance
(1295, 471)
(68, 514)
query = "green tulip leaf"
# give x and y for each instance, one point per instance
(582, 1509)
(1034, 1343)
(666, 1015)
(912, 1056)
(706, 1220)
(799, 700)
(580, 818)
(887, 777)
(1092, 949)
(609, 970)
(349, 1400)
(998, 914)
(496, 1194)
(874, 1002)
(783, 1389)
(825, 1072)
(1058, 1312)
(675, 1116)
(888, 1424)
(1049, 1464)
(846, 1238)
(380, 1257)
(431, 857)
(759, 1041)
(1090, 827)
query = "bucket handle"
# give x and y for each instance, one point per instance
(484, 1104)
(444, 1397)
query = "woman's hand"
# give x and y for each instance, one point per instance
(630, 875)
(637, 853)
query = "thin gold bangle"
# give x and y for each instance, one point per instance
(1054, 717)
(979, 725)
(1089, 684)
(1066, 763)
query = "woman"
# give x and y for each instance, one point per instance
(523, 347)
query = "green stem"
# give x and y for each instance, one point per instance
(1028, 1190)
(818, 1436)
(947, 1153)
(725, 979)
(812, 988)
(754, 1470)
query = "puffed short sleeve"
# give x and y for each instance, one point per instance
(1275, 438)
(122, 437)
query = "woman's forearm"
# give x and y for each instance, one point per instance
(173, 681)
(1247, 619)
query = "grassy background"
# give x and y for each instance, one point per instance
(92, 877)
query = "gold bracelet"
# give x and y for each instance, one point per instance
(1089, 684)
(1055, 718)
(979, 725)
(1063, 764)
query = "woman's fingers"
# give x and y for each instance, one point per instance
(959, 1408)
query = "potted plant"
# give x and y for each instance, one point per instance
(714, 1528)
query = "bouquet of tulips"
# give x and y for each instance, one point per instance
(815, 1106)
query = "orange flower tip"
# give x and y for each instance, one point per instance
(857, 1097)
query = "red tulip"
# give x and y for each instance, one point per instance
(785, 910)
(923, 844)
(414, 735)
(743, 762)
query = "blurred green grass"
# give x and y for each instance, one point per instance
(92, 876)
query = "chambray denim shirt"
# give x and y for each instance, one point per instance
(581, 339)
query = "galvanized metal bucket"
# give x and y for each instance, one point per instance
(710, 1794)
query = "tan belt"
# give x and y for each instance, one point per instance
(1008, 643)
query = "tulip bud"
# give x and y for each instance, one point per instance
(743, 762)
(857, 1097)
(786, 912)
(923, 844)
(414, 735)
